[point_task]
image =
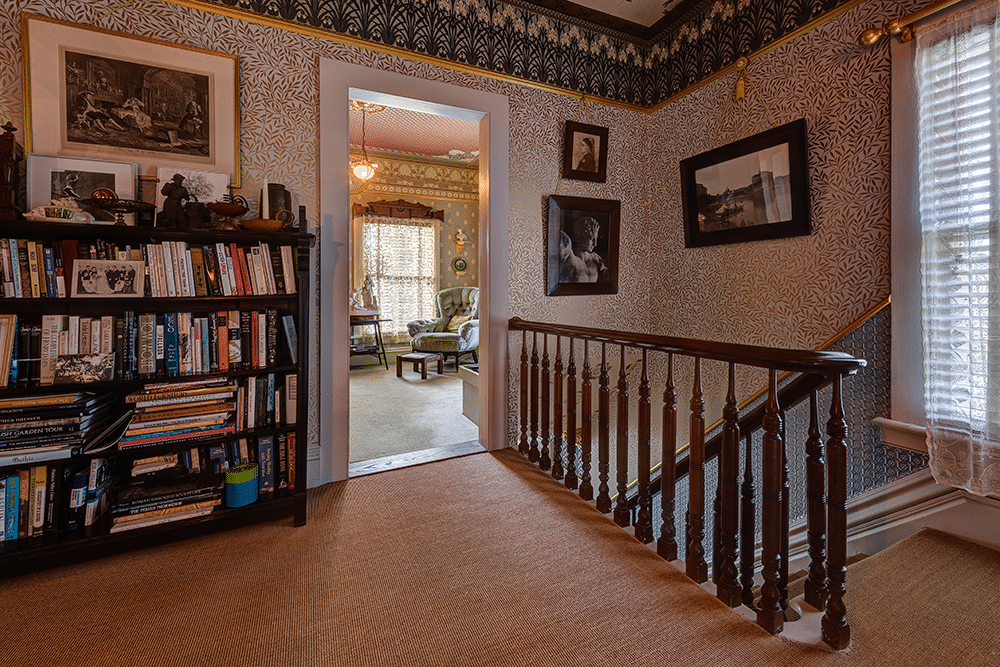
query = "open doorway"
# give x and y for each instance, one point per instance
(329, 443)
(414, 306)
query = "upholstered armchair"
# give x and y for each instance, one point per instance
(455, 329)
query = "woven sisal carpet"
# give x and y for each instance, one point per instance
(481, 561)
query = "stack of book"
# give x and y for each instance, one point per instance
(155, 499)
(180, 411)
(55, 426)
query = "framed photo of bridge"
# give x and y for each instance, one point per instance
(753, 189)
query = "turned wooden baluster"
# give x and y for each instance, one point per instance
(695, 565)
(729, 590)
(533, 452)
(769, 613)
(815, 592)
(544, 462)
(523, 444)
(748, 526)
(836, 631)
(603, 434)
(666, 546)
(716, 535)
(571, 477)
(785, 503)
(586, 488)
(644, 519)
(557, 426)
(621, 515)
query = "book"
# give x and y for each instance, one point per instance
(288, 268)
(238, 270)
(265, 263)
(225, 282)
(49, 271)
(165, 518)
(37, 283)
(198, 271)
(276, 270)
(291, 460)
(291, 337)
(214, 386)
(51, 325)
(13, 495)
(291, 398)
(43, 400)
(147, 344)
(281, 464)
(39, 486)
(98, 482)
(3, 508)
(193, 435)
(265, 463)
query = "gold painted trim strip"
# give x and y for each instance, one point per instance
(795, 34)
(330, 36)
(388, 189)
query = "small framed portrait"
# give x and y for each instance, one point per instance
(753, 189)
(585, 152)
(108, 278)
(582, 248)
(64, 181)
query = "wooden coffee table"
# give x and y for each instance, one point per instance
(420, 361)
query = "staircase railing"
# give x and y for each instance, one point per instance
(548, 388)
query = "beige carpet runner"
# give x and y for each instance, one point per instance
(481, 561)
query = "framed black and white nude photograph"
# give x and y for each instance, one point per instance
(65, 181)
(107, 278)
(582, 248)
(585, 152)
(753, 189)
(101, 94)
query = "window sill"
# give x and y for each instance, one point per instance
(902, 435)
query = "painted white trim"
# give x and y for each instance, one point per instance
(339, 81)
(902, 435)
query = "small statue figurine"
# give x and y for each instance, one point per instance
(460, 240)
(368, 294)
(173, 214)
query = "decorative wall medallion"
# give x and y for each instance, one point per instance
(459, 265)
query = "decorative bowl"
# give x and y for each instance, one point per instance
(262, 225)
(226, 209)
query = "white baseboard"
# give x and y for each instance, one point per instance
(881, 517)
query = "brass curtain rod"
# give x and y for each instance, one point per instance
(903, 26)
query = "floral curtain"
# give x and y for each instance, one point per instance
(957, 70)
(400, 256)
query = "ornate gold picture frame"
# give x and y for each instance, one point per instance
(96, 93)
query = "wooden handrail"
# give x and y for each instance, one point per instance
(798, 361)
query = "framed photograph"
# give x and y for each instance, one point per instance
(101, 94)
(585, 152)
(752, 189)
(107, 278)
(67, 180)
(200, 186)
(582, 249)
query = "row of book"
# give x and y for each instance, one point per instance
(54, 426)
(44, 499)
(77, 349)
(175, 269)
(31, 269)
(41, 500)
(186, 411)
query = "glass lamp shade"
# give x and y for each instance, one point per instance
(364, 170)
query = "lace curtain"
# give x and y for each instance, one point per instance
(400, 255)
(957, 71)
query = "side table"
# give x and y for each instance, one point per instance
(420, 361)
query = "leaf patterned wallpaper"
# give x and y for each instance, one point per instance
(796, 292)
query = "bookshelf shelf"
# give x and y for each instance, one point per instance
(210, 358)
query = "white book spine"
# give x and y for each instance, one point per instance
(168, 268)
(16, 269)
(291, 397)
(107, 334)
(161, 271)
(50, 348)
(180, 256)
(224, 279)
(96, 326)
(190, 272)
(265, 260)
(252, 274)
(232, 272)
(258, 270)
(261, 340)
(73, 338)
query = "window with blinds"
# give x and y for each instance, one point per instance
(957, 71)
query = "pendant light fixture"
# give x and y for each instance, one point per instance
(363, 170)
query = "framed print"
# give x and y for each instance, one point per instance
(752, 189)
(201, 186)
(582, 248)
(78, 368)
(101, 94)
(585, 152)
(68, 180)
(107, 278)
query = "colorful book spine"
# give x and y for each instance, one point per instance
(265, 463)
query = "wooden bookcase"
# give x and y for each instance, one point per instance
(56, 547)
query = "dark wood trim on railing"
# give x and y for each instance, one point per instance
(549, 418)
(798, 361)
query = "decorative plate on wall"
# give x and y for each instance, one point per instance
(459, 265)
